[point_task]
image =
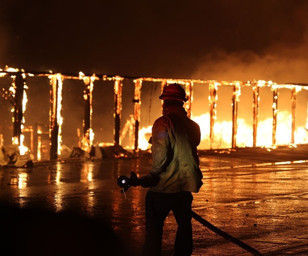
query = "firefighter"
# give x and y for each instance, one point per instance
(175, 173)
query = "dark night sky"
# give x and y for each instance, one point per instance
(200, 39)
(219, 39)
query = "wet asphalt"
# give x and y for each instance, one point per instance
(75, 207)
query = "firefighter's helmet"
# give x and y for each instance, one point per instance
(173, 92)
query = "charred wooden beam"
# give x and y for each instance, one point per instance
(117, 109)
(275, 112)
(87, 139)
(137, 108)
(235, 100)
(293, 100)
(87, 111)
(189, 92)
(212, 101)
(18, 86)
(162, 86)
(55, 115)
(256, 101)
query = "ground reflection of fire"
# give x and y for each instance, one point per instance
(279, 129)
(87, 177)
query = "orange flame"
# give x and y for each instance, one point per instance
(87, 139)
(56, 82)
(59, 112)
(222, 131)
(15, 140)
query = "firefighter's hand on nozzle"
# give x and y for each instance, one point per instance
(125, 182)
(134, 180)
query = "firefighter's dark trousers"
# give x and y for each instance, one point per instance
(158, 206)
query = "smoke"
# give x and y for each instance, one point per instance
(3, 44)
(5, 35)
(282, 60)
(279, 64)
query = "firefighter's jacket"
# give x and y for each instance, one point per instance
(175, 138)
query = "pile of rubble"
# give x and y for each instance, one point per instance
(10, 157)
(98, 152)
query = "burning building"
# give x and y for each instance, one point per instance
(231, 114)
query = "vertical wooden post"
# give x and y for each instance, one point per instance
(87, 139)
(293, 100)
(117, 109)
(235, 100)
(55, 117)
(163, 84)
(188, 90)
(18, 86)
(275, 112)
(212, 101)
(137, 106)
(256, 101)
(87, 111)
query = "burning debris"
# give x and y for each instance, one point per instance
(17, 153)
(279, 129)
(88, 134)
(10, 156)
(98, 152)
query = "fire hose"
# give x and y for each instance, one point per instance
(125, 183)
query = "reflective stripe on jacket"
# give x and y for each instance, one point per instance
(175, 138)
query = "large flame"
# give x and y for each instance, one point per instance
(56, 81)
(59, 112)
(223, 132)
(15, 140)
(276, 130)
(88, 136)
(218, 134)
(144, 136)
(22, 148)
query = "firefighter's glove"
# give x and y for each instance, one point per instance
(134, 180)
(149, 180)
